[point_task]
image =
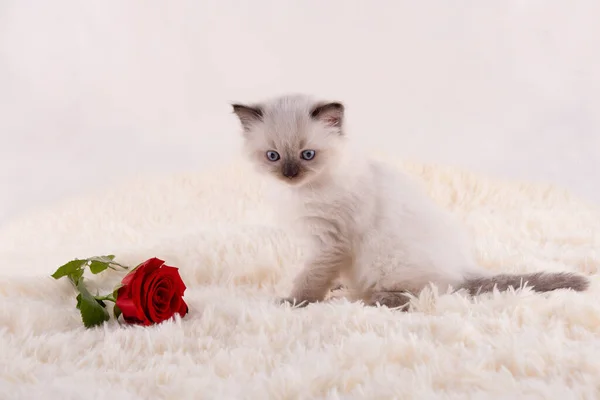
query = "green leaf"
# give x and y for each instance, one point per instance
(108, 260)
(117, 312)
(78, 306)
(103, 259)
(75, 276)
(97, 266)
(71, 268)
(93, 312)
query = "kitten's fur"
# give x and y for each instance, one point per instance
(369, 225)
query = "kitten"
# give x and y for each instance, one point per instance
(368, 224)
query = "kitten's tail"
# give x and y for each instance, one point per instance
(539, 282)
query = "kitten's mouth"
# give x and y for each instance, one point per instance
(291, 180)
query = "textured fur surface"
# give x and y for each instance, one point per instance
(237, 343)
(368, 224)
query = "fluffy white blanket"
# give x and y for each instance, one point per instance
(237, 343)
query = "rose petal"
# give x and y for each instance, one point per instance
(162, 296)
(130, 297)
(183, 309)
(178, 305)
(163, 303)
(129, 307)
(143, 269)
(152, 293)
(162, 281)
(130, 315)
(176, 278)
(151, 310)
(163, 307)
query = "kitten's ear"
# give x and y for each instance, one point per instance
(248, 115)
(331, 114)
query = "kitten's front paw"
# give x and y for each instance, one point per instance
(293, 302)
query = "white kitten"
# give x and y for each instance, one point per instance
(369, 225)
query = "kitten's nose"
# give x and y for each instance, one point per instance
(290, 170)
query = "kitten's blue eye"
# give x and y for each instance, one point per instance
(272, 155)
(308, 154)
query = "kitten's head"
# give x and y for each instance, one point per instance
(293, 138)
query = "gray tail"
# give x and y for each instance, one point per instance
(539, 282)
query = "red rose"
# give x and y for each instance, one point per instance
(151, 293)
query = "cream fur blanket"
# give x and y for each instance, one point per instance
(237, 344)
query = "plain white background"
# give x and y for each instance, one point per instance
(92, 93)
